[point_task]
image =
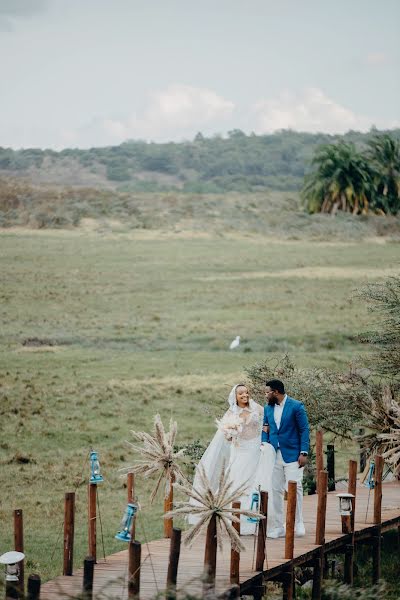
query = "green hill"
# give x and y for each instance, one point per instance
(239, 162)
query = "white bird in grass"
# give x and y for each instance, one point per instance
(235, 343)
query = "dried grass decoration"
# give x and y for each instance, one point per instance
(157, 455)
(209, 503)
(384, 419)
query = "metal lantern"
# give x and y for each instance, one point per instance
(95, 475)
(11, 560)
(124, 535)
(255, 506)
(345, 504)
(369, 482)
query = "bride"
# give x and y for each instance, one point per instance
(237, 442)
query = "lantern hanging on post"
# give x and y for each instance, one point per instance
(255, 506)
(95, 474)
(345, 504)
(11, 560)
(124, 535)
(369, 482)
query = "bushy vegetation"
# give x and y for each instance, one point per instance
(383, 408)
(383, 300)
(265, 213)
(238, 162)
(319, 389)
(345, 178)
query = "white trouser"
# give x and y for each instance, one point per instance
(282, 473)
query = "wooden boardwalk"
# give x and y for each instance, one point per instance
(110, 576)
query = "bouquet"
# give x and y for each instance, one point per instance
(230, 425)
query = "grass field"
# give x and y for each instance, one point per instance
(101, 331)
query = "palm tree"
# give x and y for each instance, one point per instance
(341, 180)
(384, 154)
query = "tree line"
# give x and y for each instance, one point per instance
(237, 162)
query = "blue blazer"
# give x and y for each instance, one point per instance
(293, 435)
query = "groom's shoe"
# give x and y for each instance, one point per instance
(300, 530)
(278, 532)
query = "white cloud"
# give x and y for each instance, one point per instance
(175, 113)
(311, 111)
(376, 59)
(180, 111)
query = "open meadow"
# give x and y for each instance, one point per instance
(101, 331)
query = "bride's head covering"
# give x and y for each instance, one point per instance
(232, 399)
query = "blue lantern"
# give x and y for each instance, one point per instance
(95, 475)
(255, 506)
(124, 535)
(370, 483)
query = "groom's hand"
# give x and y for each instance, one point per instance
(302, 460)
(265, 428)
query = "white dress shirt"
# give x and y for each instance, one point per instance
(278, 410)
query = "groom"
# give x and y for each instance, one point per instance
(285, 426)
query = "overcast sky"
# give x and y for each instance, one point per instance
(81, 73)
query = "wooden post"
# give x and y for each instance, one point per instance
(257, 589)
(287, 583)
(262, 532)
(349, 562)
(33, 587)
(168, 505)
(69, 525)
(333, 568)
(19, 543)
(135, 551)
(92, 519)
(12, 590)
(318, 572)
(130, 484)
(210, 553)
(378, 489)
(131, 499)
(174, 551)
(235, 556)
(326, 567)
(290, 519)
(330, 464)
(352, 489)
(346, 523)
(319, 454)
(376, 555)
(321, 508)
(88, 573)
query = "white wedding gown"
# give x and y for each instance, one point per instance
(249, 463)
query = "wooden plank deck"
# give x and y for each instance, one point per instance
(110, 576)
